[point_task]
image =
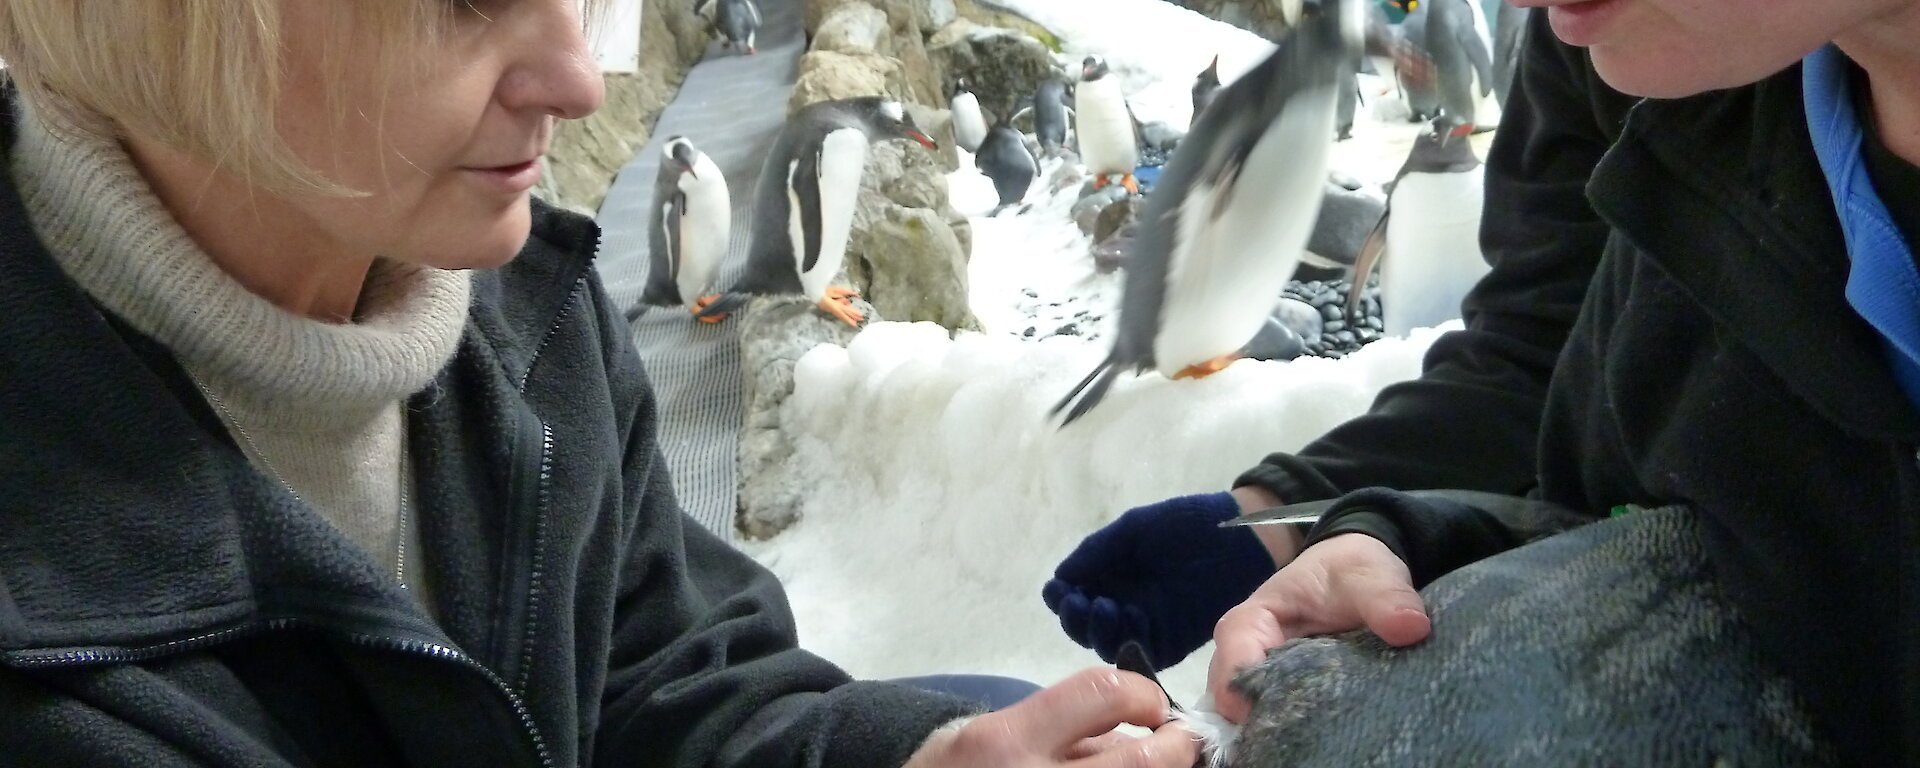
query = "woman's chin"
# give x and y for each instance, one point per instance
(485, 243)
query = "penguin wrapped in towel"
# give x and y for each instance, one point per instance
(803, 204)
(1004, 158)
(692, 228)
(1205, 85)
(1104, 125)
(1224, 229)
(1427, 246)
(969, 123)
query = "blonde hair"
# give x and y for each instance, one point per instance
(200, 77)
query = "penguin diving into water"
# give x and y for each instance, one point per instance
(1204, 85)
(1225, 226)
(1105, 126)
(803, 204)
(1004, 158)
(969, 124)
(692, 226)
(1427, 245)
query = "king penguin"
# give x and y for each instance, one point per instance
(692, 228)
(1104, 126)
(969, 124)
(1004, 158)
(1225, 226)
(804, 202)
(1427, 246)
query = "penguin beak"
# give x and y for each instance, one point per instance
(922, 138)
(689, 170)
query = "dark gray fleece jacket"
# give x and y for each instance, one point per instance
(163, 603)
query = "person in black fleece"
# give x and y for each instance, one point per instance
(323, 444)
(1710, 304)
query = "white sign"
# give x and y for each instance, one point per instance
(617, 37)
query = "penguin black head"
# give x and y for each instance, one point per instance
(1092, 68)
(680, 152)
(1442, 148)
(887, 119)
(1211, 75)
(958, 87)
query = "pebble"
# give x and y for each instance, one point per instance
(1339, 338)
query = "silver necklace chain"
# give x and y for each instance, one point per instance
(400, 537)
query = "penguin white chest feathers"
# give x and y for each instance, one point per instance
(969, 125)
(1104, 125)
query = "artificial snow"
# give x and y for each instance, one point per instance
(945, 494)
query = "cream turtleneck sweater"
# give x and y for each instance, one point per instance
(316, 406)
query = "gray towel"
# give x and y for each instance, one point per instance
(1610, 644)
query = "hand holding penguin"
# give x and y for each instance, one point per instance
(1232, 211)
(805, 198)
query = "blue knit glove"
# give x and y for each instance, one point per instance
(1161, 575)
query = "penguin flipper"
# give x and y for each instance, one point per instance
(753, 11)
(1482, 61)
(1088, 393)
(1371, 250)
(804, 185)
(663, 255)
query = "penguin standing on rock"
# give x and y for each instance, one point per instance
(1004, 158)
(1427, 246)
(1105, 126)
(1204, 86)
(969, 123)
(692, 228)
(1226, 224)
(804, 202)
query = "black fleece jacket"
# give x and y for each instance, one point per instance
(162, 603)
(1713, 361)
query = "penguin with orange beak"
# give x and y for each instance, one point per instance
(804, 202)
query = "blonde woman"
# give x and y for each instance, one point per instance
(322, 444)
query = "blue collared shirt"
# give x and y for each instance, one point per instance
(1884, 284)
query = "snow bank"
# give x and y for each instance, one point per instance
(945, 496)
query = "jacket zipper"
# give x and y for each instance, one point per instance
(412, 647)
(536, 500)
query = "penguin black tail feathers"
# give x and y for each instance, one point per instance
(1087, 395)
(725, 305)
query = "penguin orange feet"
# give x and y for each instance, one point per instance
(701, 304)
(1099, 180)
(1207, 368)
(839, 303)
(1130, 183)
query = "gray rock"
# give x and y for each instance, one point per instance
(854, 28)
(1086, 210)
(1003, 67)
(1111, 253)
(1161, 136)
(907, 255)
(939, 14)
(826, 75)
(1114, 217)
(774, 333)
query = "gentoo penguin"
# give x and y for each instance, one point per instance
(969, 124)
(804, 202)
(1004, 158)
(1050, 116)
(1510, 35)
(1204, 84)
(1427, 246)
(1418, 89)
(692, 225)
(1462, 56)
(738, 22)
(1105, 126)
(1225, 226)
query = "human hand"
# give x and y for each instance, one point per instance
(1339, 584)
(1071, 722)
(1160, 575)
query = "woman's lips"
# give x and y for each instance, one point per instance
(1583, 23)
(515, 178)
